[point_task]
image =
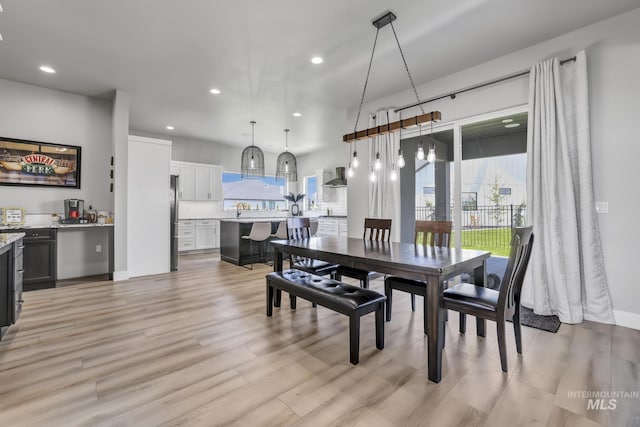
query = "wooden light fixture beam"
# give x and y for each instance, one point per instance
(392, 127)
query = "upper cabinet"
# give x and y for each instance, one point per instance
(199, 181)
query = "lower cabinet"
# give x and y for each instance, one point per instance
(332, 226)
(11, 270)
(198, 234)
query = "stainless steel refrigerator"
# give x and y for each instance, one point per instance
(173, 203)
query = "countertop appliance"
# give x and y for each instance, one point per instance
(73, 211)
(173, 221)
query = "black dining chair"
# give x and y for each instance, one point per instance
(485, 303)
(427, 233)
(375, 229)
(300, 228)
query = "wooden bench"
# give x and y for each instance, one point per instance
(349, 300)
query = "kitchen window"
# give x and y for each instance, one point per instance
(254, 194)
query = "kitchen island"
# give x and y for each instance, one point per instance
(239, 251)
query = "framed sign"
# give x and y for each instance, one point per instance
(12, 216)
(39, 163)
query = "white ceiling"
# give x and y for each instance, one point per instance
(168, 54)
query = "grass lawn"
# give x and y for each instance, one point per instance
(496, 240)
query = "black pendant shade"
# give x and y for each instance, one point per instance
(252, 162)
(286, 165)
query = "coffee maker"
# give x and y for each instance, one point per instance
(73, 211)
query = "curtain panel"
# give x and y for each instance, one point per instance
(566, 275)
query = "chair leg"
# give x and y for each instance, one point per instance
(365, 283)
(292, 301)
(269, 300)
(337, 276)
(314, 305)
(502, 344)
(380, 327)
(463, 323)
(388, 292)
(517, 329)
(354, 339)
(481, 326)
(278, 298)
(413, 302)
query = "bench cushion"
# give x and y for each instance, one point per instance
(329, 293)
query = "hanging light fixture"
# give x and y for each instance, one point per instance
(400, 161)
(286, 165)
(431, 156)
(372, 175)
(387, 19)
(354, 161)
(252, 161)
(420, 152)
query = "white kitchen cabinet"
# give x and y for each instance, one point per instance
(186, 235)
(199, 181)
(187, 182)
(332, 226)
(207, 234)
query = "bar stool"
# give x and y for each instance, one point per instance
(260, 232)
(281, 231)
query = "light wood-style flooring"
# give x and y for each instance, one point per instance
(195, 348)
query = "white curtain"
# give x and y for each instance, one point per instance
(566, 273)
(384, 194)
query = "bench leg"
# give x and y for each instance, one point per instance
(380, 327)
(278, 298)
(269, 300)
(292, 301)
(354, 338)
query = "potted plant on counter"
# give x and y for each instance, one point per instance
(294, 199)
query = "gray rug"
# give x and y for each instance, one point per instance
(546, 323)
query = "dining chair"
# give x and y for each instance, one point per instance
(485, 303)
(260, 232)
(299, 228)
(375, 229)
(427, 234)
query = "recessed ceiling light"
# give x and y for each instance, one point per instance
(316, 60)
(47, 69)
(1, 37)
(170, 127)
(507, 120)
(297, 114)
(512, 125)
(215, 91)
(1, 9)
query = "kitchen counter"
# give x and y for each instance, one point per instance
(254, 219)
(332, 216)
(8, 238)
(30, 226)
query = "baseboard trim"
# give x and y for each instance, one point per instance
(120, 275)
(627, 319)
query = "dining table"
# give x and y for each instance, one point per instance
(433, 265)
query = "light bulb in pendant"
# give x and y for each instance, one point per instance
(420, 153)
(400, 159)
(286, 167)
(394, 173)
(355, 161)
(431, 155)
(252, 164)
(372, 177)
(378, 163)
(350, 171)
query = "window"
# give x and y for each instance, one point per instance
(311, 191)
(257, 194)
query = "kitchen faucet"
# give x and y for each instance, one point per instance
(238, 206)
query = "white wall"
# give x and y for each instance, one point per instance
(34, 113)
(613, 54)
(148, 219)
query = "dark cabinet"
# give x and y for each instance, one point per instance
(11, 263)
(39, 258)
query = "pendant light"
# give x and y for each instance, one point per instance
(252, 161)
(431, 156)
(420, 152)
(286, 165)
(400, 161)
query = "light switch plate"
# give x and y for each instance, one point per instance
(602, 207)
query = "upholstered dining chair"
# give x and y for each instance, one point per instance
(485, 303)
(299, 228)
(427, 233)
(375, 229)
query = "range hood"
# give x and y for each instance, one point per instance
(339, 181)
